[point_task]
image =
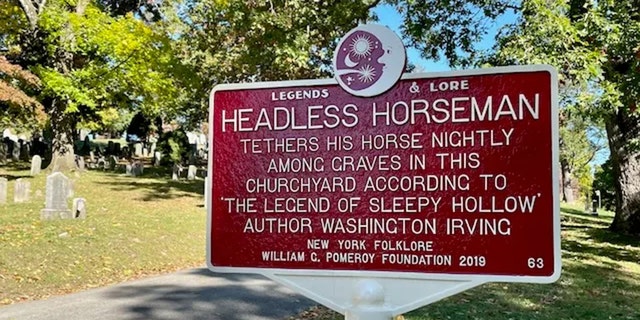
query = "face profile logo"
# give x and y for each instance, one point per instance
(369, 60)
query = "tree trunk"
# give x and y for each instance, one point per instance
(567, 190)
(63, 158)
(622, 128)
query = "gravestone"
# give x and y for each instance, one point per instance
(110, 148)
(113, 161)
(92, 157)
(81, 164)
(157, 156)
(152, 150)
(128, 169)
(137, 149)
(21, 191)
(15, 152)
(117, 149)
(191, 173)
(4, 189)
(25, 150)
(86, 146)
(79, 209)
(137, 169)
(102, 163)
(177, 170)
(57, 190)
(145, 152)
(36, 165)
(125, 152)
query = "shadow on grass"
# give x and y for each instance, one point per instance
(209, 296)
(163, 188)
(15, 166)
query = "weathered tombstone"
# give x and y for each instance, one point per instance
(21, 191)
(86, 146)
(137, 149)
(177, 170)
(4, 189)
(102, 163)
(110, 148)
(191, 173)
(15, 154)
(138, 169)
(113, 161)
(92, 157)
(80, 162)
(25, 150)
(57, 190)
(157, 156)
(36, 165)
(128, 169)
(152, 150)
(79, 209)
(145, 152)
(117, 149)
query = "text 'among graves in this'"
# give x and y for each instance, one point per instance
(380, 182)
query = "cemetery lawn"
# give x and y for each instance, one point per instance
(600, 280)
(135, 227)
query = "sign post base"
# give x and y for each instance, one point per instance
(368, 302)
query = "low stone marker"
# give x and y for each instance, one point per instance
(36, 165)
(4, 186)
(137, 169)
(191, 173)
(79, 209)
(177, 171)
(137, 149)
(128, 169)
(21, 191)
(57, 190)
(81, 164)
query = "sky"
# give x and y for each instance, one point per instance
(389, 17)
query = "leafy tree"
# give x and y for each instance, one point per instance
(17, 106)
(604, 181)
(580, 141)
(244, 41)
(92, 57)
(593, 44)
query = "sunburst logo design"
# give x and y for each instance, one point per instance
(367, 73)
(369, 60)
(361, 46)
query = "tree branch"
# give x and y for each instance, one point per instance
(30, 11)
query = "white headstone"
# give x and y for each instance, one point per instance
(138, 149)
(137, 169)
(36, 165)
(175, 176)
(79, 209)
(157, 156)
(21, 191)
(56, 198)
(4, 187)
(128, 169)
(191, 174)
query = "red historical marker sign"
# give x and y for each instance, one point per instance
(444, 175)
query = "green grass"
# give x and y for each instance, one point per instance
(600, 280)
(134, 227)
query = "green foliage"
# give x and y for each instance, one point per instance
(604, 180)
(243, 41)
(174, 146)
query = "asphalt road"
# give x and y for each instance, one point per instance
(189, 294)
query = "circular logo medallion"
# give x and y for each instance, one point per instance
(369, 60)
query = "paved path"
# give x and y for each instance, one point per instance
(185, 295)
